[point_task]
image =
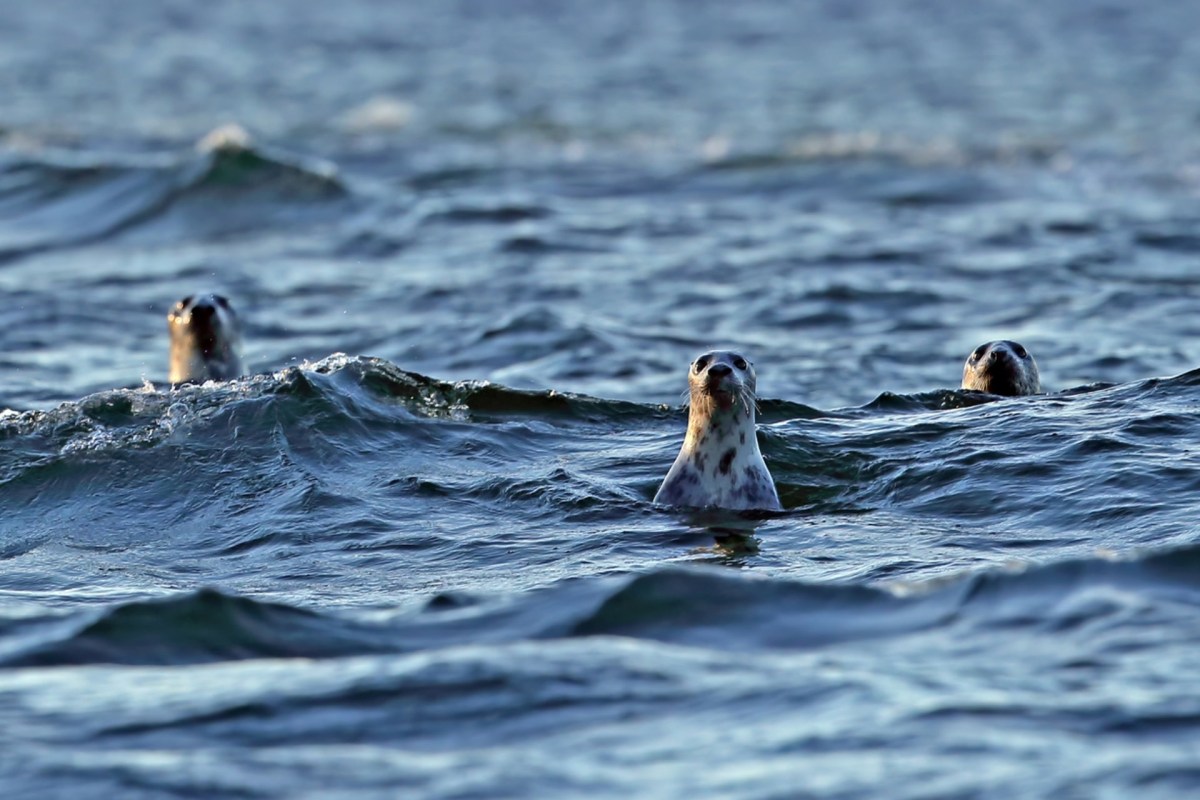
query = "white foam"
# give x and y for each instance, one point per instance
(379, 114)
(227, 138)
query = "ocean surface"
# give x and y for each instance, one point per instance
(475, 246)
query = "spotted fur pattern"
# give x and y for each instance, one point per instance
(206, 340)
(1004, 368)
(720, 464)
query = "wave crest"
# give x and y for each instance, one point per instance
(228, 185)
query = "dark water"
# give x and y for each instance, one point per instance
(431, 567)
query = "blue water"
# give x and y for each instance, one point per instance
(475, 247)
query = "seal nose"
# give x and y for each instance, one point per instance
(204, 319)
(719, 370)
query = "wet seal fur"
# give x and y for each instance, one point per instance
(206, 340)
(1004, 368)
(720, 465)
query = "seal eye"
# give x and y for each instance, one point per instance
(701, 363)
(1020, 351)
(221, 301)
(979, 351)
(185, 302)
(740, 363)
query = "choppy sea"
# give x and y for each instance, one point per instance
(475, 246)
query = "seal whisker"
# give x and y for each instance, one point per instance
(749, 400)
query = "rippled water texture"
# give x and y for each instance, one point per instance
(475, 247)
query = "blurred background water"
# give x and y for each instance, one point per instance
(475, 246)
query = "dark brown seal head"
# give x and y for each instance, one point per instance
(720, 465)
(206, 340)
(1004, 368)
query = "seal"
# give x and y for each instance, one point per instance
(1004, 368)
(720, 464)
(206, 340)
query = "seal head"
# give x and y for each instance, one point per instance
(1004, 368)
(720, 465)
(206, 340)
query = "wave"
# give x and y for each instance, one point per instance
(1001, 462)
(728, 609)
(705, 607)
(228, 185)
(476, 399)
(147, 414)
(275, 446)
(833, 146)
(948, 453)
(199, 627)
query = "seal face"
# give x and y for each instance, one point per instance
(206, 340)
(1004, 368)
(720, 464)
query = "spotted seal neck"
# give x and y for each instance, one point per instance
(720, 465)
(206, 340)
(1002, 367)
